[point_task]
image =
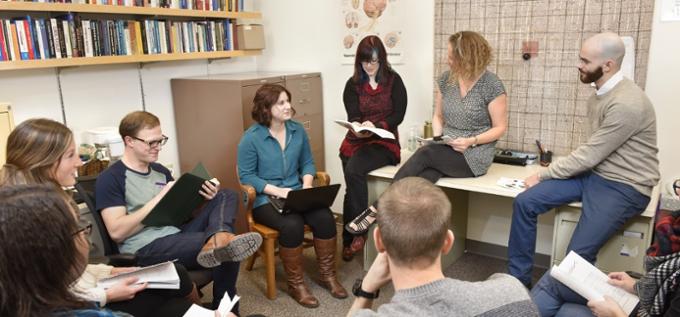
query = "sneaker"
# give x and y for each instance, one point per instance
(227, 247)
(361, 224)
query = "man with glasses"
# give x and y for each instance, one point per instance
(128, 190)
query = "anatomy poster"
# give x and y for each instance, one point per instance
(372, 17)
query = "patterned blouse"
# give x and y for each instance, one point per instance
(469, 116)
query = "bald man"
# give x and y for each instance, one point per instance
(612, 173)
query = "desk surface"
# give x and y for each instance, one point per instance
(486, 184)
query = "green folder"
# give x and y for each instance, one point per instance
(176, 206)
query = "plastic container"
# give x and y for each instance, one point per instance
(107, 141)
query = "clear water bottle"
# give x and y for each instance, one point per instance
(412, 142)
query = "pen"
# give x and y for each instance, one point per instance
(540, 147)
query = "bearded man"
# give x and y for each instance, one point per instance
(612, 173)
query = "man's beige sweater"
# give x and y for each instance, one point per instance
(622, 146)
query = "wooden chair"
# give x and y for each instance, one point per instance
(270, 236)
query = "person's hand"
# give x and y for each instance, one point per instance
(461, 144)
(605, 308)
(378, 274)
(622, 280)
(531, 181)
(282, 192)
(124, 290)
(209, 190)
(363, 134)
(165, 189)
(120, 270)
(368, 124)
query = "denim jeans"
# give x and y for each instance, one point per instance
(216, 215)
(607, 205)
(555, 299)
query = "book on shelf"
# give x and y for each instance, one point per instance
(181, 200)
(69, 35)
(158, 276)
(357, 128)
(591, 283)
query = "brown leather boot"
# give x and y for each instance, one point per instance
(325, 255)
(297, 289)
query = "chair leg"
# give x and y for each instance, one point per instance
(251, 261)
(270, 267)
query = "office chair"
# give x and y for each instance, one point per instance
(85, 186)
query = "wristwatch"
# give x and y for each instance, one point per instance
(358, 292)
(474, 144)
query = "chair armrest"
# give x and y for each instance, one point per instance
(323, 178)
(248, 196)
(118, 260)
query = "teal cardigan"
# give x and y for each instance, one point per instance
(261, 160)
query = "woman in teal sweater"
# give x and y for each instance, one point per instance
(274, 157)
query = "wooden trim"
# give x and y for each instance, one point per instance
(105, 60)
(111, 9)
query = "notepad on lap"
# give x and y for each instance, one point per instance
(181, 200)
(591, 283)
(161, 276)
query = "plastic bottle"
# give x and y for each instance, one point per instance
(412, 139)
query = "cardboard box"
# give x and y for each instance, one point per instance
(249, 37)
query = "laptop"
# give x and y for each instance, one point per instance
(302, 200)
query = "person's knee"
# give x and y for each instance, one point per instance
(291, 232)
(227, 194)
(526, 204)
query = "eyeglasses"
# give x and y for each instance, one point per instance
(84, 226)
(372, 61)
(676, 185)
(153, 143)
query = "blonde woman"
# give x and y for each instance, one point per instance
(43, 152)
(470, 115)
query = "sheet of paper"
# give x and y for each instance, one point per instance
(591, 283)
(670, 10)
(162, 275)
(226, 304)
(511, 183)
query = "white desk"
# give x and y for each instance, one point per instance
(635, 236)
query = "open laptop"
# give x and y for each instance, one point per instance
(302, 200)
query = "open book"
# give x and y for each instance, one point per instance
(357, 128)
(444, 139)
(226, 304)
(162, 276)
(181, 200)
(588, 281)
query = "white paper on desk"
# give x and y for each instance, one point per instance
(160, 276)
(226, 304)
(511, 183)
(591, 283)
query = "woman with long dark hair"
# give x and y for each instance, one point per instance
(374, 96)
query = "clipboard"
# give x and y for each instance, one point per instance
(176, 206)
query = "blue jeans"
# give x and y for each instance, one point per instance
(555, 299)
(607, 205)
(216, 215)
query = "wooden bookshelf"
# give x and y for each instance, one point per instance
(112, 9)
(126, 59)
(23, 7)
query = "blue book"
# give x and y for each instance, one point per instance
(105, 38)
(157, 37)
(33, 37)
(45, 39)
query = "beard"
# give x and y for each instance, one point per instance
(590, 77)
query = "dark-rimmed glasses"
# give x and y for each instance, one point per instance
(153, 143)
(84, 226)
(676, 186)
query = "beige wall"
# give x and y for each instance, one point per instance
(663, 82)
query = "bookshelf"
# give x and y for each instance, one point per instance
(123, 11)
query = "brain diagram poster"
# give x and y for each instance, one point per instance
(372, 17)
